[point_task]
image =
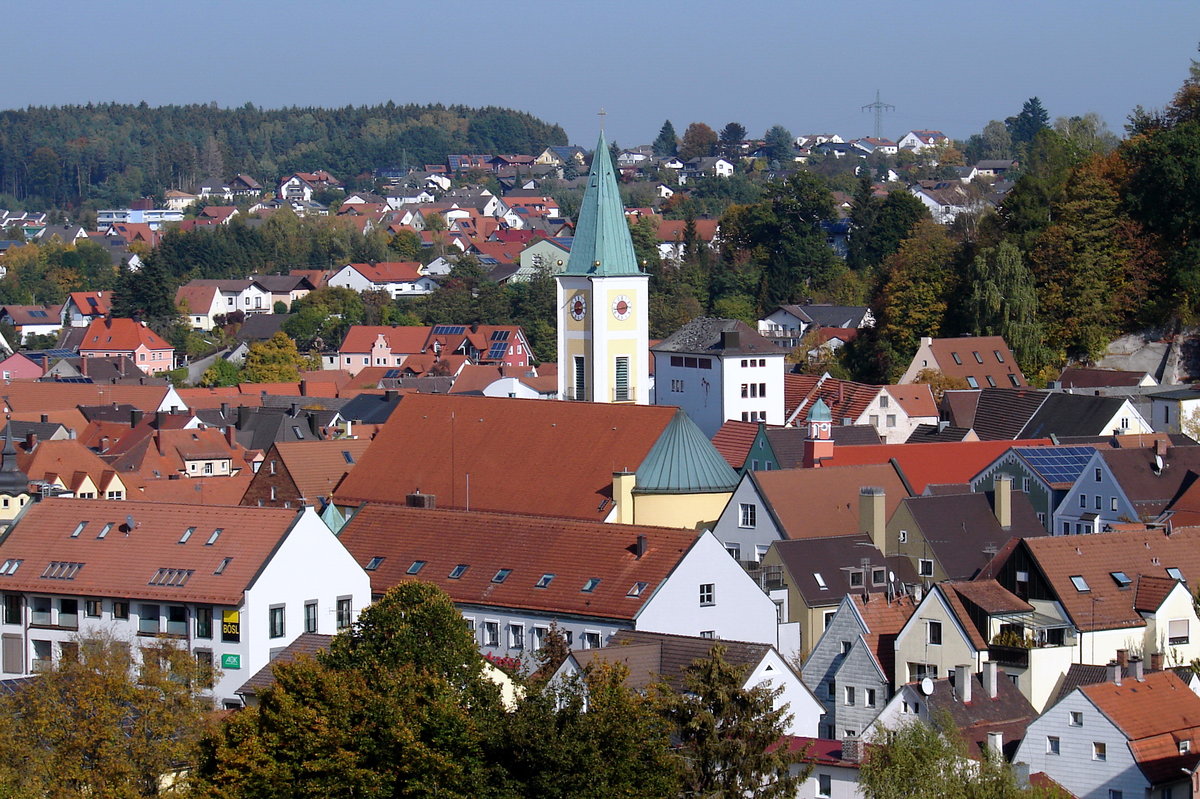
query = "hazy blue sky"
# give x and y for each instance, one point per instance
(808, 66)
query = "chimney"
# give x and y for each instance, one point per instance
(995, 743)
(1156, 661)
(83, 366)
(942, 425)
(45, 418)
(419, 500)
(295, 409)
(872, 515)
(390, 395)
(1135, 664)
(231, 435)
(641, 547)
(622, 495)
(31, 441)
(103, 444)
(1122, 657)
(730, 339)
(1114, 672)
(243, 416)
(852, 749)
(1002, 499)
(989, 679)
(962, 683)
(1161, 446)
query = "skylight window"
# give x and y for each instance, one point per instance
(459, 571)
(78, 529)
(10, 566)
(1079, 583)
(346, 454)
(1175, 574)
(104, 531)
(172, 577)
(416, 567)
(1121, 579)
(544, 580)
(186, 535)
(820, 580)
(636, 589)
(60, 570)
(590, 585)
(222, 565)
(501, 575)
(373, 563)
(212, 539)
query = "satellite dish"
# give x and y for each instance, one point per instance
(927, 686)
(129, 522)
(1158, 464)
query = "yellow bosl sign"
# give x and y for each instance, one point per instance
(231, 625)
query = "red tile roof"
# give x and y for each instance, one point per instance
(30, 396)
(124, 335)
(126, 561)
(573, 551)
(572, 446)
(1155, 714)
(884, 617)
(92, 302)
(915, 399)
(400, 339)
(390, 271)
(968, 365)
(935, 463)
(734, 439)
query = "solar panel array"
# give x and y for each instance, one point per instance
(1057, 464)
(499, 335)
(448, 330)
(392, 374)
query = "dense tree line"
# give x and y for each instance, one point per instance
(107, 154)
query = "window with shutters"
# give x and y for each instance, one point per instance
(1177, 632)
(621, 384)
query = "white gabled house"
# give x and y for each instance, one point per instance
(232, 585)
(397, 278)
(513, 576)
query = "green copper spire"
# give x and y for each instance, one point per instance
(602, 245)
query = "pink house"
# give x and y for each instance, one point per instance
(18, 367)
(111, 337)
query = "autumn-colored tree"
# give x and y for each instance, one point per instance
(100, 724)
(275, 360)
(939, 382)
(699, 141)
(917, 282)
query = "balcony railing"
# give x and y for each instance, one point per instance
(1017, 656)
(623, 394)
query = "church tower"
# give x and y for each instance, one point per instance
(818, 444)
(603, 299)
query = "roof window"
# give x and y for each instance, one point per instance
(544, 580)
(972, 382)
(820, 580)
(636, 589)
(78, 529)
(60, 570)
(957, 359)
(186, 535)
(416, 567)
(222, 565)
(459, 571)
(212, 539)
(346, 454)
(10, 566)
(1174, 573)
(1121, 579)
(501, 575)
(104, 531)
(1079, 583)
(590, 585)
(373, 563)
(175, 578)
(999, 356)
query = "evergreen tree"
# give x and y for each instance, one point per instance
(779, 144)
(728, 734)
(1026, 125)
(667, 143)
(732, 135)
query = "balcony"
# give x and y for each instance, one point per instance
(1009, 656)
(623, 394)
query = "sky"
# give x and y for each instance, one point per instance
(949, 66)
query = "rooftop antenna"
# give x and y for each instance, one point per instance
(878, 107)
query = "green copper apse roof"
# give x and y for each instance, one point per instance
(820, 412)
(683, 461)
(602, 245)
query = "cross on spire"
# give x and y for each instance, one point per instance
(602, 114)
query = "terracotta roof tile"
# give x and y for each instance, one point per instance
(936, 463)
(461, 435)
(884, 617)
(1155, 714)
(125, 562)
(30, 396)
(120, 334)
(573, 551)
(817, 503)
(733, 440)
(400, 339)
(317, 467)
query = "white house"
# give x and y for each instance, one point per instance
(918, 140)
(719, 369)
(232, 585)
(513, 576)
(398, 278)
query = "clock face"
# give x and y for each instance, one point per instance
(578, 307)
(622, 306)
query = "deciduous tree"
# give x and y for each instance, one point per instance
(276, 360)
(699, 141)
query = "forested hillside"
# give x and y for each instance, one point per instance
(108, 154)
